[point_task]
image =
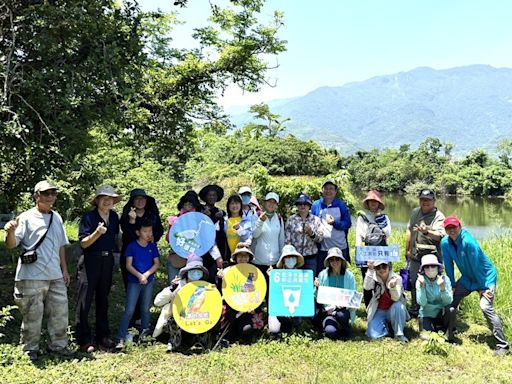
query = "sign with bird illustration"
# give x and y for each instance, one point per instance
(192, 233)
(244, 287)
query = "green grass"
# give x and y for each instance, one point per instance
(294, 359)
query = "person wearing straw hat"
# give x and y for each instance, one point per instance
(372, 228)
(192, 271)
(97, 232)
(387, 306)
(334, 320)
(304, 231)
(434, 294)
(290, 259)
(478, 273)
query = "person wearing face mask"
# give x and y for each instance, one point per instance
(335, 320)
(290, 259)
(434, 293)
(192, 271)
(387, 306)
(478, 273)
(249, 210)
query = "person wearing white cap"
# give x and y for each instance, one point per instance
(249, 211)
(40, 282)
(268, 235)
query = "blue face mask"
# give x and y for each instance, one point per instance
(246, 199)
(195, 275)
(290, 262)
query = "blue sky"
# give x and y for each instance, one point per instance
(333, 42)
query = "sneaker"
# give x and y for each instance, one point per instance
(500, 351)
(402, 339)
(87, 348)
(62, 352)
(145, 333)
(120, 345)
(170, 347)
(129, 338)
(32, 356)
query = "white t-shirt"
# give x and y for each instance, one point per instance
(32, 226)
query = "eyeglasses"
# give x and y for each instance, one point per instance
(48, 193)
(381, 266)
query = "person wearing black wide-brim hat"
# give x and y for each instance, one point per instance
(140, 207)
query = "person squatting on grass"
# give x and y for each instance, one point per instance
(477, 274)
(387, 305)
(40, 286)
(142, 261)
(335, 321)
(434, 295)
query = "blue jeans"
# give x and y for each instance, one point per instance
(396, 315)
(133, 292)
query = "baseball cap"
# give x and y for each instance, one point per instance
(427, 194)
(451, 220)
(272, 195)
(44, 186)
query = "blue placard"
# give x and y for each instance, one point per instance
(386, 253)
(192, 233)
(291, 293)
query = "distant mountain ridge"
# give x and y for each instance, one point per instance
(470, 107)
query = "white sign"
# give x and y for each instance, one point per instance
(339, 296)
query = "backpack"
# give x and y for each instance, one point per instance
(374, 234)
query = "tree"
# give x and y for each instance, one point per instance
(273, 125)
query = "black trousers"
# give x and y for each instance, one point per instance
(94, 283)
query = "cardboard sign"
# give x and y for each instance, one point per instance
(192, 233)
(291, 293)
(197, 307)
(386, 253)
(338, 296)
(244, 287)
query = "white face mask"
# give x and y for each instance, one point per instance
(195, 275)
(431, 272)
(290, 262)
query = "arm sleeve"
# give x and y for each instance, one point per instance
(448, 262)
(258, 229)
(281, 234)
(20, 231)
(84, 228)
(360, 231)
(369, 281)
(421, 294)
(127, 228)
(319, 230)
(287, 233)
(447, 294)
(158, 229)
(165, 296)
(387, 228)
(344, 222)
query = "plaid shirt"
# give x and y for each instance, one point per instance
(295, 235)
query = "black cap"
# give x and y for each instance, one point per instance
(427, 194)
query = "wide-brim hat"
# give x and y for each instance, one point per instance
(195, 264)
(218, 190)
(189, 197)
(430, 260)
(333, 252)
(289, 250)
(373, 195)
(240, 250)
(106, 190)
(303, 199)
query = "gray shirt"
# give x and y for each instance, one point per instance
(32, 226)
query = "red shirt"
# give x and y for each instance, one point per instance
(385, 301)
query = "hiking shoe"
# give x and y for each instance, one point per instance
(32, 356)
(500, 351)
(402, 339)
(87, 348)
(62, 352)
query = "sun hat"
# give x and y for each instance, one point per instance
(427, 194)
(194, 262)
(303, 199)
(45, 186)
(272, 195)
(333, 252)
(243, 190)
(289, 250)
(373, 195)
(451, 220)
(106, 190)
(430, 260)
(241, 248)
(189, 197)
(218, 190)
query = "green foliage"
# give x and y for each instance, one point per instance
(436, 345)
(6, 316)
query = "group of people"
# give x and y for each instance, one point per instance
(314, 238)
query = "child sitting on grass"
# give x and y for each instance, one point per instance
(142, 261)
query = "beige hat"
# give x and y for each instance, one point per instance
(289, 250)
(45, 186)
(333, 252)
(106, 190)
(241, 249)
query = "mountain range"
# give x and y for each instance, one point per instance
(469, 107)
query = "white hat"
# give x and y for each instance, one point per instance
(243, 190)
(272, 195)
(289, 250)
(44, 186)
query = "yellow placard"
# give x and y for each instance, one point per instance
(197, 307)
(244, 287)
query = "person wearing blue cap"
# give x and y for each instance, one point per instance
(304, 231)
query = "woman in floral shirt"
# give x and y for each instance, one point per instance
(304, 231)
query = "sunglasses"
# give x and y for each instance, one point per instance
(381, 266)
(48, 193)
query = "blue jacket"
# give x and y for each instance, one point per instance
(342, 222)
(477, 270)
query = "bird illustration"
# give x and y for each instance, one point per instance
(249, 284)
(195, 301)
(187, 239)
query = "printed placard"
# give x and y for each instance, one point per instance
(244, 287)
(192, 233)
(386, 253)
(291, 293)
(341, 297)
(197, 307)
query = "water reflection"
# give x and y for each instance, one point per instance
(484, 217)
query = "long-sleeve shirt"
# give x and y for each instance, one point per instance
(295, 234)
(268, 240)
(335, 234)
(430, 297)
(477, 270)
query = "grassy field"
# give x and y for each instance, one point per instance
(300, 358)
